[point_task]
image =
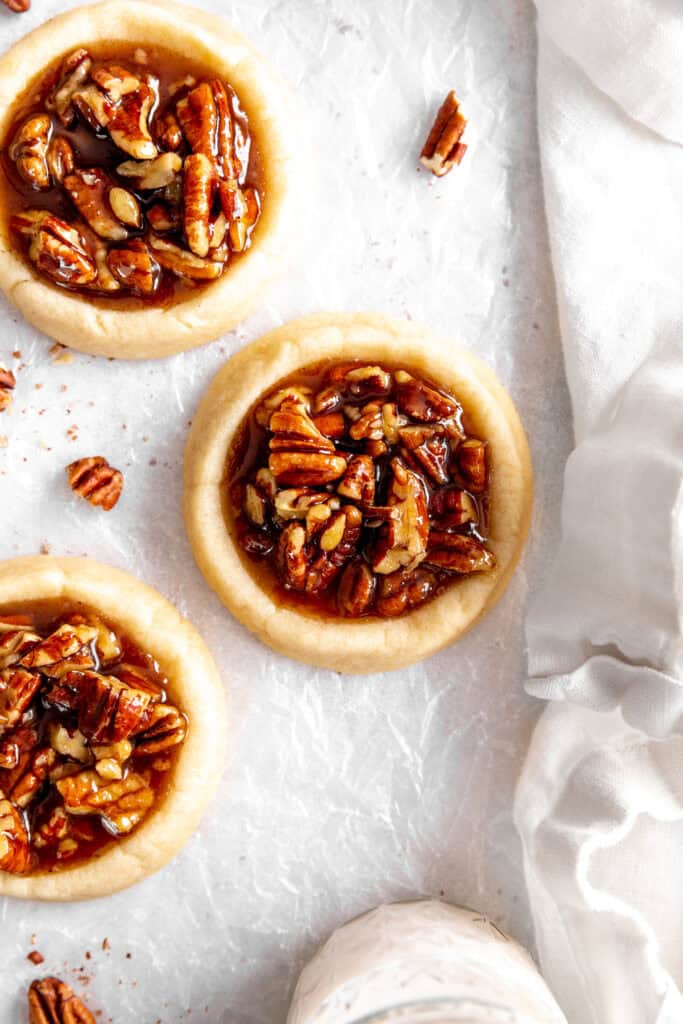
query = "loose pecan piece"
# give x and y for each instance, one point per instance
(458, 553)
(68, 647)
(17, 690)
(15, 853)
(133, 265)
(403, 539)
(471, 460)
(29, 149)
(443, 148)
(57, 249)
(258, 497)
(356, 589)
(8, 382)
(150, 175)
(95, 480)
(122, 804)
(421, 402)
(358, 482)
(337, 543)
(17, 6)
(183, 263)
(51, 1001)
(404, 590)
(198, 189)
(166, 728)
(72, 75)
(89, 190)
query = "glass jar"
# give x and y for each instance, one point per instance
(422, 962)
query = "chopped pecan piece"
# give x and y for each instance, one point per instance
(122, 804)
(162, 218)
(427, 450)
(361, 381)
(471, 460)
(52, 831)
(242, 207)
(16, 749)
(73, 73)
(453, 508)
(8, 382)
(57, 249)
(60, 159)
(108, 710)
(29, 784)
(294, 396)
(356, 589)
(14, 643)
(122, 103)
(332, 424)
(165, 729)
(300, 454)
(443, 148)
(51, 1001)
(29, 150)
(421, 402)
(17, 690)
(296, 502)
(358, 482)
(403, 540)
(369, 425)
(125, 206)
(326, 401)
(17, 6)
(89, 190)
(404, 590)
(150, 175)
(15, 853)
(69, 647)
(105, 280)
(291, 557)
(168, 132)
(183, 263)
(458, 553)
(69, 743)
(198, 188)
(133, 265)
(95, 480)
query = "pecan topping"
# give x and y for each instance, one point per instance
(108, 710)
(89, 191)
(443, 148)
(15, 853)
(198, 187)
(150, 175)
(121, 103)
(363, 492)
(134, 266)
(96, 481)
(56, 249)
(204, 117)
(165, 728)
(17, 690)
(8, 382)
(122, 804)
(29, 150)
(51, 1001)
(60, 159)
(69, 647)
(72, 75)
(125, 206)
(183, 263)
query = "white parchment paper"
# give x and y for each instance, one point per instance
(339, 792)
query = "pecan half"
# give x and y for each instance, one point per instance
(58, 250)
(51, 1001)
(204, 116)
(108, 710)
(122, 804)
(8, 382)
(458, 553)
(356, 589)
(14, 643)
(421, 402)
(428, 450)
(443, 148)
(242, 207)
(361, 381)
(403, 540)
(68, 647)
(134, 266)
(198, 188)
(15, 854)
(404, 590)
(29, 149)
(150, 175)
(29, 784)
(369, 425)
(183, 263)
(95, 480)
(300, 455)
(471, 460)
(89, 191)
(453, 508)
(73, 73)
(17, 690)
(60, 159)
(166, 728)
(358, 482)
(122, 103)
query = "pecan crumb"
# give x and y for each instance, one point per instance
(443, 148)
(8, 382)
(35, 957)
(96, 481)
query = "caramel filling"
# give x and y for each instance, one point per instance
(130, 175)
(88, 737)
(356, 490)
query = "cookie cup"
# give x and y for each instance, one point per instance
(155, 626)
(372, 644)
(100, 326)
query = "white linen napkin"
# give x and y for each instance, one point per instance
(600, 803)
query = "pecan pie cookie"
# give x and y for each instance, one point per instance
(144, 177)
(357, 491)
(112, 729)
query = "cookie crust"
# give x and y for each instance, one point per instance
(372, 645)
(98, 327)
(155, 625)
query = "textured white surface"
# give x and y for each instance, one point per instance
(339, 792)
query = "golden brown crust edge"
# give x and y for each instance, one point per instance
(366, 646)
(154, 624)
(102, 329)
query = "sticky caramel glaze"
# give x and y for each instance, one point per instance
(92, 150)
(249, 450)
(47, 616)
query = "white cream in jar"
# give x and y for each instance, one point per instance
(422, 962)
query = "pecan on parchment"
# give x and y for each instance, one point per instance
(443, 148)
(95, 480)
(51, 1001)
(8, 382)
